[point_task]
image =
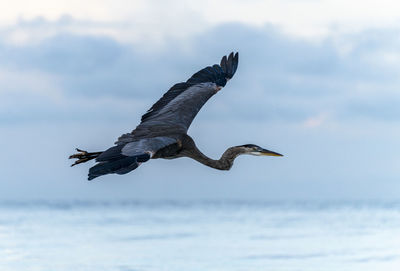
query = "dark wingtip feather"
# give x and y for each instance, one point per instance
(229, 64)
(235, 63)
(91, 177)
(224, 64)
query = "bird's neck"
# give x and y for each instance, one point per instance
(224, 163)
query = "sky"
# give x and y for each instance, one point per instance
(318, 81)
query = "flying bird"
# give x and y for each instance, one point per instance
(162, 132)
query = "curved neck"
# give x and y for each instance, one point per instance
(224, 163)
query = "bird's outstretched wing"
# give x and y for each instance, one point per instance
(176, 109)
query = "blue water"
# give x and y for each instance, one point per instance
(157, 236)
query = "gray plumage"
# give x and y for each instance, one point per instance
(162, 132)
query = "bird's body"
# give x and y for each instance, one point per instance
(162, 132)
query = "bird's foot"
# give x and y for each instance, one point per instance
(83, 156)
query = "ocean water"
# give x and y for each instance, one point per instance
(203, 236)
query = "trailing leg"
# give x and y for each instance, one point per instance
(83, 156)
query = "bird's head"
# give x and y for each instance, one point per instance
(257, 150)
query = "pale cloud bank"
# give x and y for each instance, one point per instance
(155, 21)
(329, 105)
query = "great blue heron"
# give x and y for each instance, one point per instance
(162, 132)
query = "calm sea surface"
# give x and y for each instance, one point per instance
(203, 236)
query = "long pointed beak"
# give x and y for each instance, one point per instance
(269, 153)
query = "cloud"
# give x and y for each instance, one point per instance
(279, 77)
(148, 19)
(319, 104)
(316, 121)
(382, 109)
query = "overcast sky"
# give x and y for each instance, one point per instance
(317, 81)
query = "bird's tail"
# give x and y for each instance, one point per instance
(83, 156)
(113, 161)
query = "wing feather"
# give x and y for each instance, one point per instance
(176, 109)
(213, 74)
